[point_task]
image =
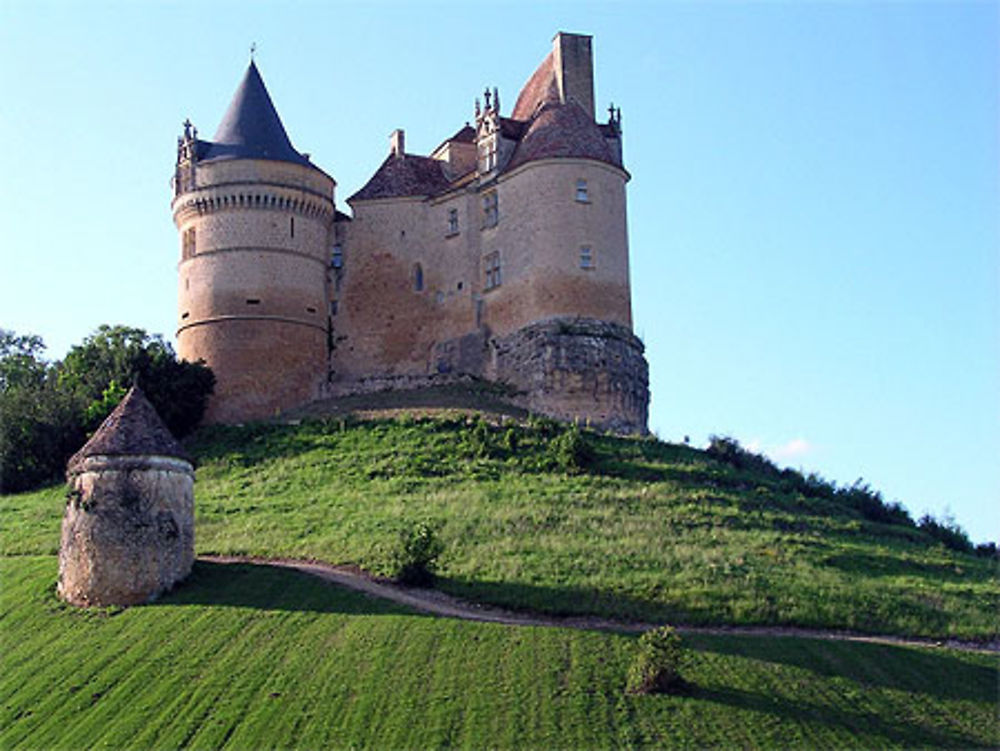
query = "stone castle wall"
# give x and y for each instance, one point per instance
(253, 295)
(128, 530)
(582, 370)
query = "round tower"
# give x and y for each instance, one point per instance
(128, 528)
(255, 220)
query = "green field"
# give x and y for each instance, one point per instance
(252, 657)
(249, 656)
(648, 530)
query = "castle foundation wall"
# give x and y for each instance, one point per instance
(577, 369)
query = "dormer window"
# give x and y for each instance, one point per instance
(491, 209)
(582, 196)
(488, 154)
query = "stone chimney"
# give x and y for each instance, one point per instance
(574, 68)
(397, 142)
(128, 528)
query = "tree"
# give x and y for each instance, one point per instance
(39, 425)
(21, 363)
(117, 356)
(47, 410)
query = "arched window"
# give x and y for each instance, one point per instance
(418, 278)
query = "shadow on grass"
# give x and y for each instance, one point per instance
(940, 674)
(263, 587)
(566, 601)
(903, 733)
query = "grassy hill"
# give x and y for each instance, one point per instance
(531, 517)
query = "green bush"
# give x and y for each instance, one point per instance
(658, 663)
(413, 560)
(570, 451)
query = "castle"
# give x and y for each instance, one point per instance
(501, 256)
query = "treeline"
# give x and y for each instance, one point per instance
(858, 496)
(48, 409)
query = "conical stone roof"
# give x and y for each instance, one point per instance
(132, 429)
(251, 128)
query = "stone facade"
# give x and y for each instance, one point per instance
(128, 527)
(451, 265)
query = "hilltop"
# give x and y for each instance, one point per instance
(535, 517)
(540, 517)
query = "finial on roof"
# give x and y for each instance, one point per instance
(478, 112)
(486, 96)
(496, 99)
(253, 50)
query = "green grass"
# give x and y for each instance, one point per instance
(252, 657)
(647, 530)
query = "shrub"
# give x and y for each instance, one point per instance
(413, 560)
(946, 531)
(570, 451)
(658, 663)
(987, 550)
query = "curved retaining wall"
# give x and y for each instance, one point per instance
(577, 369)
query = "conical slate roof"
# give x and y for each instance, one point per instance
(132, 429)
(251, 128)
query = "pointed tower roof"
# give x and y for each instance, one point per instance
(132, 429)
(251, 128)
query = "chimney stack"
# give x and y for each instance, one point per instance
(574, 66)
(397, 142)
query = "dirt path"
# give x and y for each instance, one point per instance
(445, 605)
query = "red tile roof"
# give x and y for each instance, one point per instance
(408, 175)
(541, 124)
(562, 130)
(539, 89)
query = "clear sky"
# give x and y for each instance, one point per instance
(813, 211)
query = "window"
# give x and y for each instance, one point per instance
(492, 267)
(418, 278)
(452, 221)
(586, 257)
(488, 154)
(188, 243)
(337, 258)
(491, 209)
(581, 191)
(291, 226)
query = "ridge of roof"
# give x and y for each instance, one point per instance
(251, 127)
(132, 429)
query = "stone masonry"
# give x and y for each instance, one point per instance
(128, 527)
(501, 255)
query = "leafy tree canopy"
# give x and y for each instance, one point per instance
(47, 410)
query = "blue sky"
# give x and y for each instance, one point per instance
(813, 220)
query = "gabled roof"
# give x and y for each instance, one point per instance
(407, 175)
(132, 429)
(251, 128)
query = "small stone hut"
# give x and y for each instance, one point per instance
(128, 529)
